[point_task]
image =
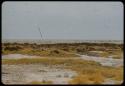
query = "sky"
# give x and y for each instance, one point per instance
(62, 20)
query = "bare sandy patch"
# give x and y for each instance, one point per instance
(25, 74)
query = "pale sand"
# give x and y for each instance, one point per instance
(25, 74)
(18, 56)
(104, 61)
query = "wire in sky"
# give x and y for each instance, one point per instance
(40, 33)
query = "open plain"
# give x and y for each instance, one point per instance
(62, 63)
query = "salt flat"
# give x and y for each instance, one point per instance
(104, 61)
(18, 56)
(25, 74)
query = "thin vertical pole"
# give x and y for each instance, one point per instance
(40, 33)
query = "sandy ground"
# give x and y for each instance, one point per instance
(25, 74)
(111, 81)
(104, 61)
(18, 56)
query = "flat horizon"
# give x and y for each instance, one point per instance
(53, 41)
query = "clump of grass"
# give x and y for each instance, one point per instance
(51, 61)
(95, 78)
(81, 79)
(98, 75)
(119, 74)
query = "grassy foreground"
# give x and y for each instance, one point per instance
(89, 72)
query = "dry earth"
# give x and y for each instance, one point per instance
(25, 74)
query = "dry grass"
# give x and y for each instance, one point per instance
(95, 78)
(94, 72)
(63, 50)
(89, 72)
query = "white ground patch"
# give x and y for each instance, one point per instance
(25, 74)
(111, 81)
(104, 61)
(18, 56)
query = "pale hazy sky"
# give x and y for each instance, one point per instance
(62, 20)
